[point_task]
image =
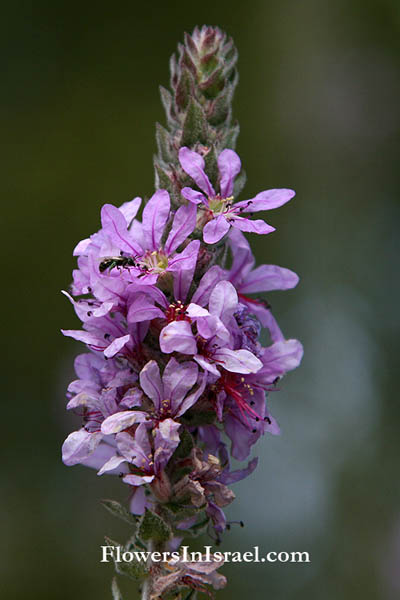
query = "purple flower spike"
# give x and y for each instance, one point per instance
(220, 212)
(175, 380)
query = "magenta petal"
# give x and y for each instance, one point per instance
(111, 464)
(137, 479)
(256, 226)
(92, 339)
(215, 229)
(178, 379)
(193, 164)
(151, 384)
(223, 301)
(243, 259)
(114, 225)
(193, 196)
(266, 278)
(234, 476)
(186, 259)
(155, 216)
(207, 284)
(229, 167)
(178, 337)
(165, 442)
(237, 361)
(281, 357)
(194, 310)
(207, 365)
(122, 420)
(266, 200)
(116, 346)
(101, 455)
(138, 502)
(142, 308)
(182, 226)
(130, 209)
(182, 282)
(81, 247)
(79, 445)
(192, 398)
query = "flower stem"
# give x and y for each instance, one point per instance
(147, 584)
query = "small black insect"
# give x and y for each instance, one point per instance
(110, 262)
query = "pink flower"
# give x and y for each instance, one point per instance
(220, 211)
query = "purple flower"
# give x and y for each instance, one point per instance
(123, 237)
(220, 212)
(168, 394)
(212, 345)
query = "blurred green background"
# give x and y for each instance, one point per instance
(318, 104)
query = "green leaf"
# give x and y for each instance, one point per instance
(162, 179)
(133, 569)
(184, 89)
(116, 594)
(194, 126)
(116, 509)
(196, 418)
(153, 527)
(185, 445)
(181, 512)
(179, 473)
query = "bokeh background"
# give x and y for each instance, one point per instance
(318, 104)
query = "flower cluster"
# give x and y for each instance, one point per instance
(174, 345)
(174, 381)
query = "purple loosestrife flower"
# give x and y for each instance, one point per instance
(212, 345)
(220, 212)
(175, 379)
(168, 395)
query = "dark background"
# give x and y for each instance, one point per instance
(318, 104)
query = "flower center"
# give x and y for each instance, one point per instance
(176, 312)
(219, 205)
(156, 261)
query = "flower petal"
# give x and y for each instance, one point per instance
(257, 226)
(122, 420)
(194, 310)
(79, 445)
(178, 379)
(266, 200)
(178, 337)
(266, 278)
(116, 346)
(186, 259)
(183, 225)
(111, 464)
(281, 357)
(223, 301)
(237, 361)
(193, 164)
(151, 384)
(142, 308)
(229, 167)
(207, 284)
(114, 225)
(193, 196)
(130, 209)
(192, 398)
(138, 479)
(215, 229)
(155, 216)
(165, 442)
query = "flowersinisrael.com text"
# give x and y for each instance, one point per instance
(118, 554)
